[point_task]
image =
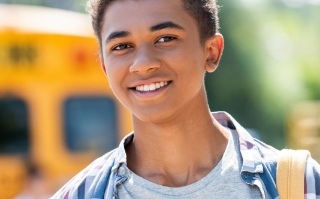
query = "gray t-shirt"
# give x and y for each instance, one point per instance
(224, 181)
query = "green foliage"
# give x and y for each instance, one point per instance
(271, 62)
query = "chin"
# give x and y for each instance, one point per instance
(155, 117)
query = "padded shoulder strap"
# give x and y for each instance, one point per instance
(290, 173)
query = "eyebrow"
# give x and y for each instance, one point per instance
(116, 35)
(160, 26)
(164, 25)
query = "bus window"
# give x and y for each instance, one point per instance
(14, 130)
(90, 124)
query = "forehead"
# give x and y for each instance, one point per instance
(128, 14)
(129, 6)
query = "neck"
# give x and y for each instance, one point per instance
(179, 151)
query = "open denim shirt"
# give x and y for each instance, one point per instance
(259, 162)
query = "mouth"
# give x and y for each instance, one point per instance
(151, 87)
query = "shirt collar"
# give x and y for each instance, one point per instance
(121, 156)
(249, 151)
(252, 161)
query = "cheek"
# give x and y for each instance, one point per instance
(114, 68)
(116, 73)
(186, 61)
(114, 78)
(115, 85)
(190, 68)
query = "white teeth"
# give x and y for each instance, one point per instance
(151, 87)
(146, 88)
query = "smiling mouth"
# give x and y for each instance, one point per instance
(151, 87)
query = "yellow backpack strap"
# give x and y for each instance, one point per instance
(290, 173)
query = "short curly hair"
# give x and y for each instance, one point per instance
(205, 12)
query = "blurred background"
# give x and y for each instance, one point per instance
(57, 112)
(270, 67)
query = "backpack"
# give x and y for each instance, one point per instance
(290, 173)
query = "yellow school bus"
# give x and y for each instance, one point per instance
(57, 112)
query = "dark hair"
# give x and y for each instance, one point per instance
(205, 12)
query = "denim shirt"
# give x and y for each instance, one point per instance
(259, 162)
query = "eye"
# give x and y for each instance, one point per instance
(166, 39)
(121, 47)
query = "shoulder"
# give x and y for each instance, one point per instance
(270, 157)
(312, 177)
(86, 181)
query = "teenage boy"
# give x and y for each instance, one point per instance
(155, 54)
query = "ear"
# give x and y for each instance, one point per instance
(214, 48)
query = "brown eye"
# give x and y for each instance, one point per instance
(166, 39)
(121, 47)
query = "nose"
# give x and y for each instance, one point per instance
(145, 61)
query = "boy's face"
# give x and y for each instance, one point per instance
(153, 57)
